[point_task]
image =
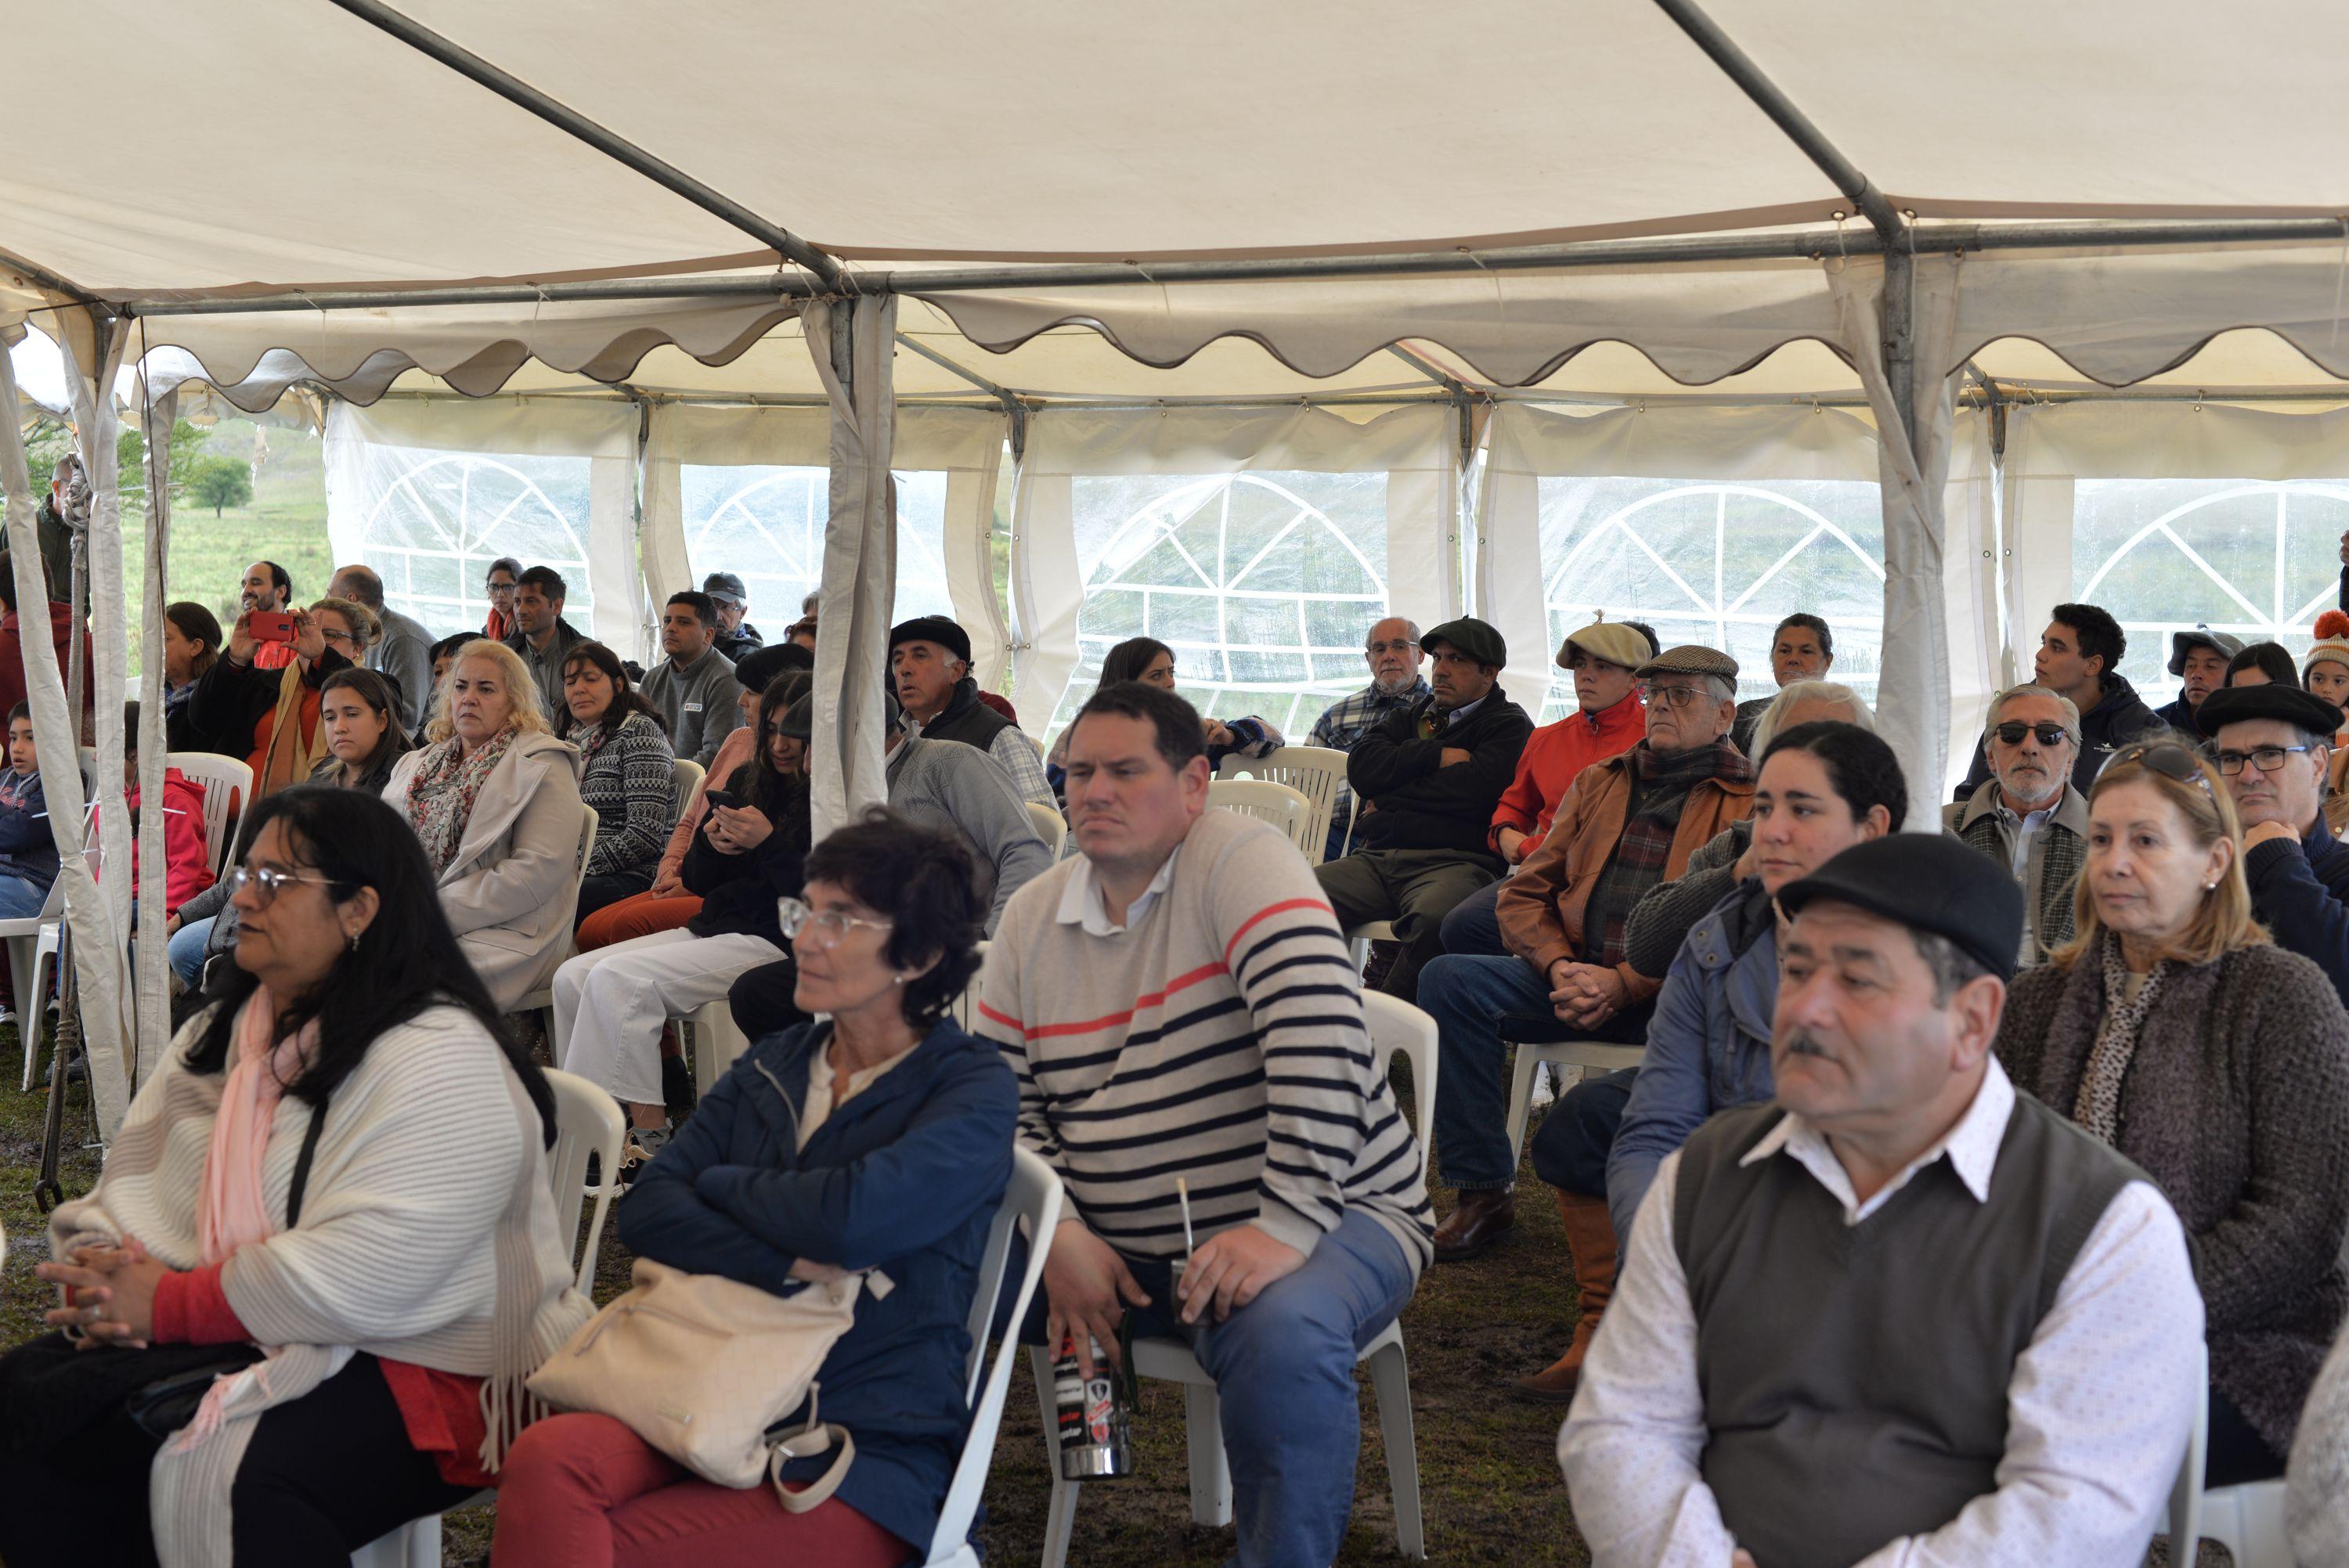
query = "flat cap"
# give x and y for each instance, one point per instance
(725, 586)
(2238, 704)
(1613, 641)
(1479, 640)
(2181, 642)
(799, 719)
(1690, 659)
(936, 629)
(1926, 881)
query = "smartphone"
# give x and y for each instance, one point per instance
(725, 798)
(270, 626)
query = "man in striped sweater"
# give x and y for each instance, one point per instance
(1176, 1003)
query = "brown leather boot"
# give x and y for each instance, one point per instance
(1481, 1218)
(1590, 1239)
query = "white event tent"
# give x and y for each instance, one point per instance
(1970, 257)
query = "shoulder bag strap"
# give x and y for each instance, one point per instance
(302, 1165)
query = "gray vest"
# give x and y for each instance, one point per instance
(1855, 1378)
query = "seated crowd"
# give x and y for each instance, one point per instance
(1944, 1157)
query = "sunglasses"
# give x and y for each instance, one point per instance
(2166, 758)
(2050, 735)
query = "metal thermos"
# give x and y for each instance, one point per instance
(1095, 1416)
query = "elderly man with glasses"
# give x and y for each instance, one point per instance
(2029, 817)
(2271, 744)
(1392, 653)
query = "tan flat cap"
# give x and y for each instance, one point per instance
(1690, 659)
(1613, 641)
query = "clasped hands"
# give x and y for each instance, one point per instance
(1087, 1287)
(109, 1294)
(1585, 994)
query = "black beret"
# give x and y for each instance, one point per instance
(2235, 704)
(1927, 882)
(936, 629)
(1479, 640)
(759, 668)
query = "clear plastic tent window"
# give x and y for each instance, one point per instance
(766, 523)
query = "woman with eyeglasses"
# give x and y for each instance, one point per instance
(878, 1140)
(278, 709)
(340, 1166)
(2170, 1027)
(611, 1003)
(1151, 662)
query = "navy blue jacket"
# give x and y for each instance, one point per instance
(2300, 894)
(28, 849)
(905, 1177)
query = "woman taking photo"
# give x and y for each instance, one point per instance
(191, 642)
(628, 774)
(1151, 662)
(879, 1140)
(2170, 1028)
(278, 709)
(611, 1005)
(494, 799)
(341, 1164)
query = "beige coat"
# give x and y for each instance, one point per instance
(510, 892)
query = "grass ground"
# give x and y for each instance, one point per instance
(1488, 1478)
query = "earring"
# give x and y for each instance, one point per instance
(354, 941)
(897, 980)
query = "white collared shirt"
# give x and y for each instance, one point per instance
(2099, 1404)
(1082, 902)
(2026, 823)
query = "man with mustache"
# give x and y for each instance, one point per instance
(1432, 775)
(2273, 744)
(1393, 653)
(2029, 817)
(1903, 1313)
(929, 669)
(2079, 659)
(2199, 659)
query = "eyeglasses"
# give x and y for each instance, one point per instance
(269, 883)
(829, 929)
(2266, 759)
(2166, 758)
(2050, 735)
(343, 637)
(1677, 696)
(1375, 649)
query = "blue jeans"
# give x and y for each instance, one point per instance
(186, 950)
(1474, 927)
(1284, 1369)
(21, 899)
(1466, 998)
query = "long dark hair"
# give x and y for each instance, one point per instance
(783, 802)
(2271, 659)
(376, 692)
(625, 699)
(1126, 661)
(354, 840)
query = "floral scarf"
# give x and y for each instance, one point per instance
(441, 793)
(2098, 1107)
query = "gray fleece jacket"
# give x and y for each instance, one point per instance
(699, 701)
(946, 783)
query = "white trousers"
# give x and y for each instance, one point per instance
(610, 1003)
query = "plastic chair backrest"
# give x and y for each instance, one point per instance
(1031, 1198)
(688, 775)
(227, 784)
(1313, 771)
(1050, 826)
(1399, 1029)
(965, 1011)
(2186, 1493)
(586, 1121)
(1278, 804)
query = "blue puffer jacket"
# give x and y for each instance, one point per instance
(904, 1177)
(1708, 1046)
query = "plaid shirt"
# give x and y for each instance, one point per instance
(1342, 723)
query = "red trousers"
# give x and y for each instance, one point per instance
(639, 915)
(584, 1491)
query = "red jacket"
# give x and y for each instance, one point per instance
(1555, 755)
(187, 872)
(12, 685)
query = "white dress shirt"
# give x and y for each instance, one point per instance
(1082, 902)
(2099, 1404)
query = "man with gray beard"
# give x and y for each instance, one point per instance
(2029, 817)
(1391, 651)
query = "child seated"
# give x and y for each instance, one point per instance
(28, 855)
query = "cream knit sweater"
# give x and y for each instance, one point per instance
(428, 1236)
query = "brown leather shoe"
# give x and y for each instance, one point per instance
(1590, 1242)
(1481, 1218)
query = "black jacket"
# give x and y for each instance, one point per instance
(2119, 717)
(230, 699)
(1422, 805)
(965, 718)
(737, 892)
(2300, 891)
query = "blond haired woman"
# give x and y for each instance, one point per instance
(2169, 1027)
(494, 799)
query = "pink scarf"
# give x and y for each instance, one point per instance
(232, 1210)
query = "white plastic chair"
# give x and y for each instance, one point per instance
(687, 775)
(1359, 940)
(965, 1011)
(1313, 771)
(1585, 1056)
(1050, 827)
(32, 956)
(541, 1001)
(1397, 1029)
(1277, 804)
(586, 1121)
(228, 785)
(2247, 1520)
(713, 1040)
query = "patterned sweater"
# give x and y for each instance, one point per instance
(1218, 1037)
(630, 780)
